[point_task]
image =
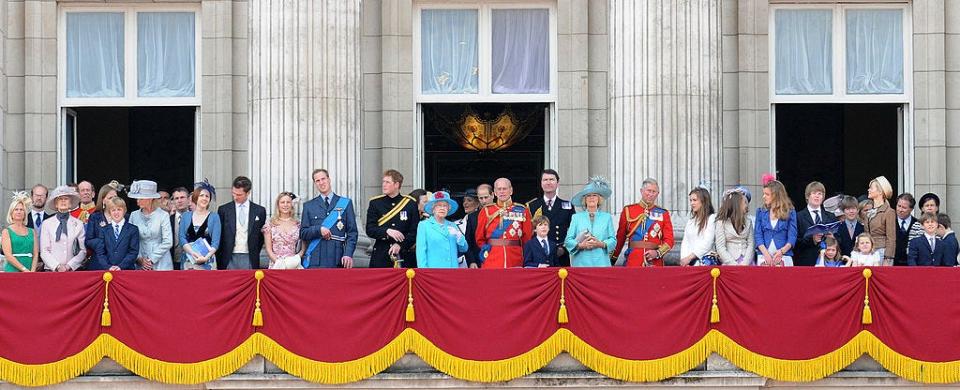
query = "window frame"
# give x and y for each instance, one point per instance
(130, 96)
(838, 46)
(485, 55)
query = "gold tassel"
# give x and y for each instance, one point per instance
(257, 314)
(562, 314)
(411, 316)
(867, 318)
(714, 309)
(105, 319)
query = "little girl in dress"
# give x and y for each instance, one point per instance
(864, 255)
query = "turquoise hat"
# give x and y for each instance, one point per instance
(440, 196)
(596, 185)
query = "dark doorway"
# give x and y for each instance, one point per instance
(452, 165)
(134, 143)
(843, 146)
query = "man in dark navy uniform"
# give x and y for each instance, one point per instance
(559, 212)
(392, 223)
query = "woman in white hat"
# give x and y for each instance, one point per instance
(591, 238)
(156, 234)
(439, 242)
(62, 236)
(881, 221)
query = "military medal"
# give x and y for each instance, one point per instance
(339, 220)
(403, 215)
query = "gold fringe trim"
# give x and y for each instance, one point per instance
(908, 368)
(334, 373)
(637, 370)
(55, 372)
(182, 373)
(492, 370)
(787, 370)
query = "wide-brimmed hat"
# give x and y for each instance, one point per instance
(471, 193)
(143, 189)
(596, 185)
(885, 186)
(62, 191)
(832, 204)
(440, 196)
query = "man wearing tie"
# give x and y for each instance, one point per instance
(926, 250)
(557, 210)
(905, 204)
(808, 248)
(242, 236)
(38, 196)
(329, 225)
(181, 204)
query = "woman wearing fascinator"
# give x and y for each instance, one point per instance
(20, 244)
(281, 234)
(200, 230)
(591, 238)
(734, 237)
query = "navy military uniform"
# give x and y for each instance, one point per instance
(398, 213)
(343, 231)
(560, 212)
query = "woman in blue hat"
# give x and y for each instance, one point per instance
(591, 238)
(439, 242)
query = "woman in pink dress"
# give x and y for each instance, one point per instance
(281, 235)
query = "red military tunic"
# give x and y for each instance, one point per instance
(502, 229)
(644, 227)
(83, 212)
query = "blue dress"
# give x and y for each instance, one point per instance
(601, 228)
(439, 244)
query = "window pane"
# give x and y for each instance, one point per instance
(94, 54)
(804, 56)
(448, 51)
(166, 57)
(874, 51)
(521, 51)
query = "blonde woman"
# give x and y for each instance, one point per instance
(281, 235)
(20, 244)
(775, 230)
(881, 220)
(156, 234)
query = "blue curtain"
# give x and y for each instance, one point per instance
(875, 51)
(803, 51)
(521, 51)
(448, 51)
(166, 54)
(94, 54)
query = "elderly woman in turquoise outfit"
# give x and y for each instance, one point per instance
(439, 242)
(591, 237)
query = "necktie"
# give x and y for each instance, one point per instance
(176, 229)
(326, 202)
(116, 231)
(37, 221)
(850, 228)
(549, 204)
(817, 219)
(931, 245)
(242, 218)
(546, 250)
(903, 226)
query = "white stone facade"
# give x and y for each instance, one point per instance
(344, 96)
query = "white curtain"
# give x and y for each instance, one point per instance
(804, 56)
(448, 51)
(521, 51)
(166, 55)
(94, 54)
(875, 51)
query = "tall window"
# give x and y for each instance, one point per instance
(840, 53)
(129, 56)
(486, 52)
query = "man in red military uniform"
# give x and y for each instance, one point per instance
(645, 229)
(502, 229)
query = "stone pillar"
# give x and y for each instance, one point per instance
(952, 98)
(665, 99)
(929, 102)
(304, 96)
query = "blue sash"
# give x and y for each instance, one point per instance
(327, 223)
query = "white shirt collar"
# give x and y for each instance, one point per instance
(547, 199)
(245, 203)
(118, 224)
(929, 237)
(812, 210)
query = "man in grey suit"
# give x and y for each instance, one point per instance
(329, 225)
(242, 237)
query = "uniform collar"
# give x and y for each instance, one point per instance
(505, 204)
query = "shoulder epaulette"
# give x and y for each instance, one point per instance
(530, 201)
(377, 197)
(411, 198)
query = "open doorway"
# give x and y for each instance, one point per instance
(131, 143)
(843, 146)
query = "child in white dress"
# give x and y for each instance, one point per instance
(863, 254)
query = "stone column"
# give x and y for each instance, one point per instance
(304, 96)
(665, 99)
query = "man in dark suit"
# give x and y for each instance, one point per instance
(392, 220)
(851, 226)
(905, 204)
(559, 212)
(808, 248)
(181, 204)
(38, 196)
(926, 250)
(329, 225)
(241, 238)
(485, 197)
